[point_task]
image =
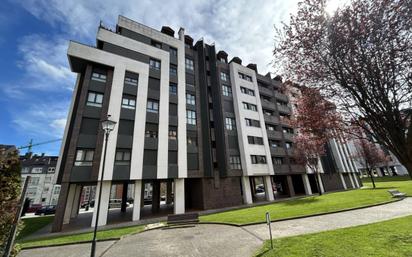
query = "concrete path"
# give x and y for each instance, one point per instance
(223, 240)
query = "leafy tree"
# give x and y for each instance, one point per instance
(316, 121)
(360, 57)
(9, 192)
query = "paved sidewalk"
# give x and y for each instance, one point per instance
(223, 240)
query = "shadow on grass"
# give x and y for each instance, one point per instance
(378, 188)
(262, 253)
(305, 200)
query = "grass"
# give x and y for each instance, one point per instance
(31, 225)
(391, 238)
(316, 204)
(83, 237)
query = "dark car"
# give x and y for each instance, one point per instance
(46, 210)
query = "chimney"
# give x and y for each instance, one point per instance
(252, 66)
(168, 31)
(236, 60)
(181, 33)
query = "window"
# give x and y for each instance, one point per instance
(192, 140)
(226, 90)
(122, 157)
(230, 123)
(45, 190)
(234, 162)
(128, 103)
(255, 140)
(270, 127)
(47, 179)
(173, 51)
(151, 134)
(51, 170)
(154, 64)
(288, 145)
(277, 161)
(172, 132)
(56, 190)
(267, 112)
(245, 77)
(287, 130)
(34, 181)
(265, 98)
(153, 106)
(37, 170)
(249, 106)
(25, 170)
(190, 99)
(224, 76)
(258, 159)
(281, 103)
(173, 70)
(189, 64)
(156, 44)
(190, 117)
(94, 99)
(96, 76)
(173, 88)
(247, 91)
(84, 157)
(274, 144)
(252, 123)
(130, 81)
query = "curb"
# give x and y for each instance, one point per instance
(71, 243)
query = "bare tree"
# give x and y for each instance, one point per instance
(361, 58)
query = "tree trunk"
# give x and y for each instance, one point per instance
(372, 179)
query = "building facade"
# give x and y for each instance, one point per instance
(210, 131)
(42, 188)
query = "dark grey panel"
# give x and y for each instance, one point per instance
(192, 161)
(80, 173)
(150, 143)
(124, 141)
(149, 172)
(92, 112)
(173, 120)
(191, 107)
(173, 171)
(173, 59)
(129, 89)
(152, 117)
(89, 126)
(173, 98)
(97, 86)
(172, 158)
(126, 127)
(228, 106)
(150, 157)
(155, 73)
(191, 127)
(154, 83)
(136, 36)
(233, 142)
(192, 148)
(153, 94)
(125, 52)
(172, 109)
(190, 79)
(173, 79)
(172, 145)
(86, 141)
(121, 172)
(127, 114)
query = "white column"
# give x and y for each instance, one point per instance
(268, 188)
(137, 199)
(306, 184)
(179, 196)
(320, 183)
(356, 180)
(247, 193)
(343, 180)
(76, 201)
(351, 180)
(104, 205)
(69, 204)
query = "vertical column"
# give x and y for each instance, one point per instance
(290, 185)
(69, 203)
(322, 189)
(76, 201)
(169, 185)
(124, 197)
(343, 181)
(247, 193)
(156, 196)
(104, 205)
(351, 180)
(306, 184)
(179, 201)
(268, 188)
(137, 199)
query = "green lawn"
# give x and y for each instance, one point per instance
(391, 238)
(31, 225)
(316, 204)
(77, 238)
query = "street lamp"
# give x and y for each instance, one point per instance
(108, 126)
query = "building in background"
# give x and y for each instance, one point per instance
(193, 128)
(42, 188)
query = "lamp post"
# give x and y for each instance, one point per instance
(108, 126)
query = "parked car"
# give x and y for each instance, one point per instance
(33, 208)
(116, 203)
(46, 210)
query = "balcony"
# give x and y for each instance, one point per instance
(281, 97)
(271, 119)
(288, 136)
(285, 121)
(279, 169)
(272, 134)
(268, 105)
(265, 91)
(296, 168)
(284, 109)
(278, 151)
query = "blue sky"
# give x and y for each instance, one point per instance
(36, 83)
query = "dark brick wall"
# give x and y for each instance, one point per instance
(331, 182)
(228, 192)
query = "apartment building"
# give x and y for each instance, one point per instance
(42, 188)
(211, 132)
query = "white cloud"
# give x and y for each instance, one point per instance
(240, 27)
